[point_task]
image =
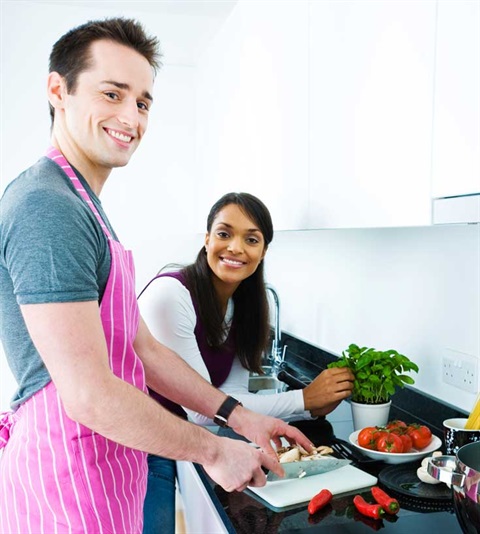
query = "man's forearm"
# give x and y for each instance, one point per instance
(70, 339)
(170, 376)
(126, 415)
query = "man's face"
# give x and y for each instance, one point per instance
(106, 116)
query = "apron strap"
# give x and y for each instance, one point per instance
(57, 157)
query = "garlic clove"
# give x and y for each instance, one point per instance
(425, 477)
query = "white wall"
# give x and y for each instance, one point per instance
(416, 290)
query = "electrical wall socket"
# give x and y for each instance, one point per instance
(461, 370)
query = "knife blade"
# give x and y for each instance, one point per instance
(308, 468)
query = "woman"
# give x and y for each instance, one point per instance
(214, 314)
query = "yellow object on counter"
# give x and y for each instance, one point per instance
(473, 421)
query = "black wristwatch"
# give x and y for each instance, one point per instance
(227, 407)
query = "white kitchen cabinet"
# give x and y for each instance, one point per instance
(252, 111)
(201, 515)
(371, 89)
(456, 120)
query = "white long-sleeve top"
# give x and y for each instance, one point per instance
(167, 308)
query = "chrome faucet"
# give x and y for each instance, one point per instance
(277, 354)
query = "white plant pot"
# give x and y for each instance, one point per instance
(369, 414)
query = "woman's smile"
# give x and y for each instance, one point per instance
(232, 262)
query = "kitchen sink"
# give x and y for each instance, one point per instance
(258, 383)
(264, 384)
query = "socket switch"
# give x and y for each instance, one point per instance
(461, 373)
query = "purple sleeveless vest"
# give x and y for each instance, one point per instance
(218, 361)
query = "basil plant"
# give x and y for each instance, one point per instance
(377, 373)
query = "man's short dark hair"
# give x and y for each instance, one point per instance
(71, 54)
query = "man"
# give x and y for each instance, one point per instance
(74, 448)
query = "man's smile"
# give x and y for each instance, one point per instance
(119, 135)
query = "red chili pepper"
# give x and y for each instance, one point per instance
(370, 510)
(319, 501)
(389, 504)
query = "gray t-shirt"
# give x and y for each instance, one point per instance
(52, 249)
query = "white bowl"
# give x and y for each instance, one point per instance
(397, 457)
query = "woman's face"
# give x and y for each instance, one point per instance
(235, 247)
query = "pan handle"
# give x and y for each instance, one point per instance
(443, 468)
(290, 380)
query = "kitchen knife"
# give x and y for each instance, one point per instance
(308, 467)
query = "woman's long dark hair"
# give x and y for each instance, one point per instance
(250, 317)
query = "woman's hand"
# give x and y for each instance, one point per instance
(326, 392)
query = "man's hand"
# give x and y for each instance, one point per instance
(263, 429)
(237, 465)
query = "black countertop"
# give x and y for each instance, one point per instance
(245, 513)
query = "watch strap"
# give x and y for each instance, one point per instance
(223, 413)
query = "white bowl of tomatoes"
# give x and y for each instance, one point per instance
(396, 443)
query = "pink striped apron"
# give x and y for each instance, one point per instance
(57, 476)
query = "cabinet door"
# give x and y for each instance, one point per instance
(252, 111)
(201, 514)
(456, 132)
(371, 88)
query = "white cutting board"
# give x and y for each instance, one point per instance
(281, 493)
